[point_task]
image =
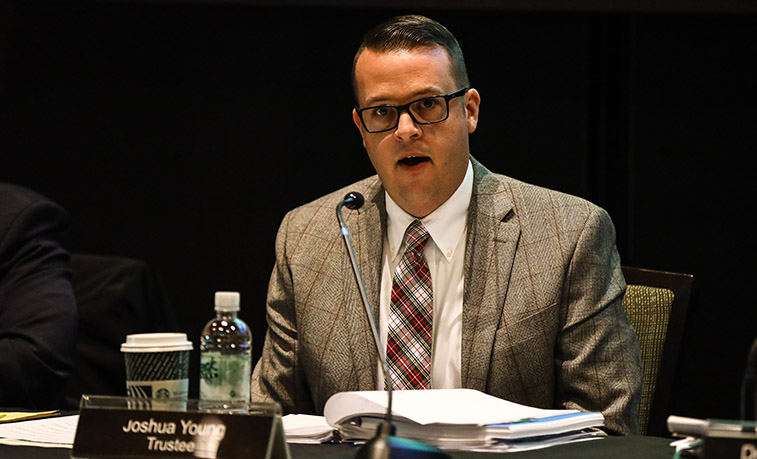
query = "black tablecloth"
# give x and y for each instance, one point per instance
(611, 447)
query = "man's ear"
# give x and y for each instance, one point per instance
(358, 124)
(472, 104)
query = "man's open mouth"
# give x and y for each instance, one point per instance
(414, 160)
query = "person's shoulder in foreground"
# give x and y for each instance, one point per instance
(38, 317)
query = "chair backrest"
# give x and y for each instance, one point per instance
(656, 304)
(115, 297)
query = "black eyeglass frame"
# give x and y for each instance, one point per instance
(406, 108)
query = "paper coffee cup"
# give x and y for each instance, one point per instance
(157, 365)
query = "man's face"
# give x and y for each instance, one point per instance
(420, 166)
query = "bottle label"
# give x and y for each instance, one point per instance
(225, 376)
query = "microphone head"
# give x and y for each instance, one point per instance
(354, 200)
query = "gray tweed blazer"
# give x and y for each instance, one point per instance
(543, 322)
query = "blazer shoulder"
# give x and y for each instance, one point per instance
(317, 218)
(324, 207)
(21, 208)
(535, 200)
(14, 198)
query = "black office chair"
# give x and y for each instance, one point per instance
(656, 303)
(115, 297)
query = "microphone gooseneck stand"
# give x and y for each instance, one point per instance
(748, 387)
(384, 445)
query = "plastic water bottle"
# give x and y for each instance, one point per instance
(225, 354)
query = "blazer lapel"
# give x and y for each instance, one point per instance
(489, 253)
(367, 233)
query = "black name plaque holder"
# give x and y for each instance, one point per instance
(121, 427)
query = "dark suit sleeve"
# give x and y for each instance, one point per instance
(38, 318)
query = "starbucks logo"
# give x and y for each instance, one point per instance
(163, 394)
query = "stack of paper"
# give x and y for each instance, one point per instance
(459, 419)
(305, 428)
(55, 432)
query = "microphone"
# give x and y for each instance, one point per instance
(384, 445)
(353, 200)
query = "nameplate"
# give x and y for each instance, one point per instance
(727, 439)
(175, 431)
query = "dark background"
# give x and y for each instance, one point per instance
(181, 132)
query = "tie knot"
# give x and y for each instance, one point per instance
(417, 236)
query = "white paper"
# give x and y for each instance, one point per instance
(57, 430)
(305, 424)
(459, 420)
(306, 428)
(442, 406)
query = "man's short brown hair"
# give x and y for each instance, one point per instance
(411, 32)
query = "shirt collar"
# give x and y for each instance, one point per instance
(446, 224)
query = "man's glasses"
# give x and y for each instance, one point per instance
(428, 110)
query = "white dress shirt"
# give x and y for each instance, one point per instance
(445, 254)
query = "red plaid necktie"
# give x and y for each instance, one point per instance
(408, 344)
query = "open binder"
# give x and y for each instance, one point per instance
(458, 419)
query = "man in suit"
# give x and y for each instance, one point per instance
(38, 318)
(526, 281)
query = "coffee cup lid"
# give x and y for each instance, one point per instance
(156, 342)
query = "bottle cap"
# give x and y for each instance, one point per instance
(227, 301)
